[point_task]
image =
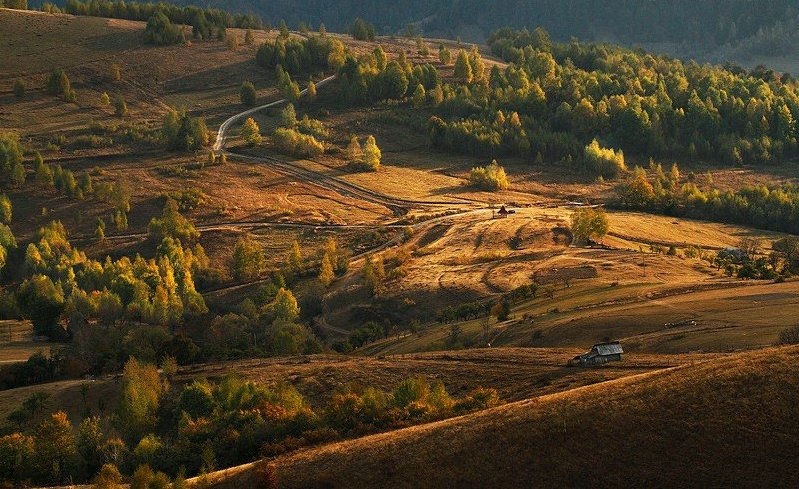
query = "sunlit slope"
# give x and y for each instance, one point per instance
(727, 422)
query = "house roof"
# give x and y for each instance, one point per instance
(611, 348)
(502, 210)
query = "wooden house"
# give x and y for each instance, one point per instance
(599, 354)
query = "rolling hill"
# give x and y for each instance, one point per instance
(733, 30)
(725, 422)
(702, 397)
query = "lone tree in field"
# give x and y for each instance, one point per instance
(371, 154)
(311, 93)
(120, 107)
(6, 209)
(444, 55)
(588, 224)
(247, 94)
(250, 132)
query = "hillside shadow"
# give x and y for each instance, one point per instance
(115, 42)
(451, 190)
(225, 76)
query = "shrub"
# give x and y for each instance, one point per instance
(120, 107)
(250, 132)
(362, 30)
(491, 177)
(161, 32)
(604, 161)
(19, 88)
(789, 336)
(294, 143)
(247, 94)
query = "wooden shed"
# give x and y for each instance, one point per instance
(599, 354)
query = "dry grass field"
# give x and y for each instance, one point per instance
(472, 256)
(726, 422)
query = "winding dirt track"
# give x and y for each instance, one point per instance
(328, 182)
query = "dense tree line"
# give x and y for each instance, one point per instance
(199, 18)
(297, 55)
(560, 97)
(700, 25)
(775, 208)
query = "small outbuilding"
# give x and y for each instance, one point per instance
(599, 354)
(503, 212)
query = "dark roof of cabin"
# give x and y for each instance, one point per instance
(611, 348)
(503, 210)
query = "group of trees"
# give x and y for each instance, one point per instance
(775, 208)
(154, 432)
(491, 177)
(197, 17)
(374, 78)
(299, 55)
(12, 170)
(366, 157)
(182, 132)
(362, 30)
(58, 84)
(300, 138)
(162, 32)
(554, 99)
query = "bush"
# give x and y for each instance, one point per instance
(294, 143)
(789, 336)
(181, 132)
(250, 132)
(604, 161)
(161, 32)
(490, 178)
(120, 107)
(247, 94)
(362, 30)
(19, 88)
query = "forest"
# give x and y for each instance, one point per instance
(755, 27)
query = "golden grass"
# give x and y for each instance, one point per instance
(727, 422)
(21, 351)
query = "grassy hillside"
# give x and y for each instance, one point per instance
(724, 423)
